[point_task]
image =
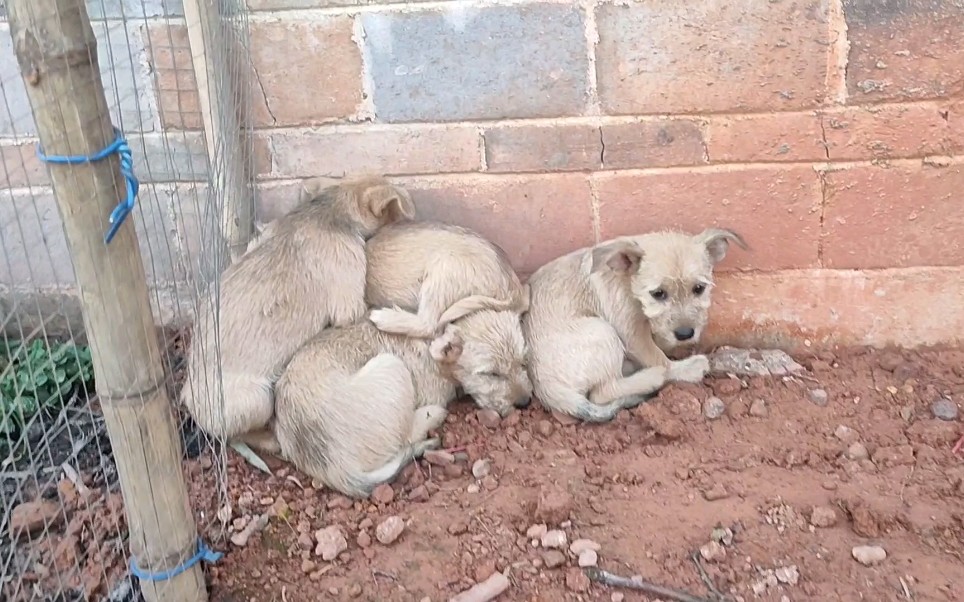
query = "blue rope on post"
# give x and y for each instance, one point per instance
(123, 150)
(203, 553)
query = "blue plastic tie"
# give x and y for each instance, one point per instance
(203, 553)
(123, 150)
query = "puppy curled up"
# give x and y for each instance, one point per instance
(627, 301)
(355, 405)
(304, 274)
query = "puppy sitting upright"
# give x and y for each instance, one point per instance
(630, 298)
(306, 273)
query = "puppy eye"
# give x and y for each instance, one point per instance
(699, 289)
(659, 294)
(489, 374)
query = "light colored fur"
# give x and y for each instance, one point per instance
(355, 404)
(304, 274)
(424, 275)
(594, 308)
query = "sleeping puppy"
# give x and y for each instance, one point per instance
(306, 273)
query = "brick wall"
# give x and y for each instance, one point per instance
(829, 132)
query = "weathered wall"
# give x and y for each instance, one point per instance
(830, 133)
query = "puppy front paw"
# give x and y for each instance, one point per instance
(690, 370)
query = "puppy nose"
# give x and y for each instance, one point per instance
(523, 402)
(683, 334)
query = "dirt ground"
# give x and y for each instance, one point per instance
(795, 474)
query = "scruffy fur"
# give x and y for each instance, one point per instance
(633, 298)
(355, 404)
(304, 274)
(424, 275)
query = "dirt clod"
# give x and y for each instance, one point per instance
(869, 555)
(30, 517)
(389, 530)
(330, 542)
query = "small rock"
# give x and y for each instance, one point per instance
(305, 541)
(554, 506)
(713, 551)
(588, 558)
(890, 361)
(419, 494)
(363, 540)
(544, 427)
(254, 526)
(944, 409)
(564, 419)
(713, 408)
(818, 397)
(758, 409)
(753, 362)
(487, 590)
(490, 483)
(490, 419)
(458, 528)
(554, 539)
(536, 531)
(331, 542)
(453, 471)
(617, 597)
(788, 575)
(383, 494)
(576, 580)
(438, 457)
(722, 535)
(355, 590)
(553, 559)
(857, 451)
(29, 517)
(716, 492)
(389, 530)
(340, 502)
(308, 566)
(481, 468)
(484, 570)
(472, 488)
(869, 555)
(581, 545)
(844, 433)
(823, 517)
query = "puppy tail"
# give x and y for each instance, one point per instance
(574, 404)
(474, 303)
(361, 485)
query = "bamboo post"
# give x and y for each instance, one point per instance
(57, 53)
(210, 49)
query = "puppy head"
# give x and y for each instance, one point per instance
(674, 282)
(485, 353)
(369, 203)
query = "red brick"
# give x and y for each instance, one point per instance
(309, 71)
(169, 54)
(899, 216)
(19, 166)
(777, 210)
(534, 218)
(838, 307)
(653, 143)
(889, 131)
(904, 50)
(392, 150)
(765, 138)
(675, 57)
(542, 148)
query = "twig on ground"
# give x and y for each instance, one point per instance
(74, 477)
(598, 575)
(695, 557)
(385, 574)
(904, 586)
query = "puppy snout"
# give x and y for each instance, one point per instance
(684, 333)
(523, 402)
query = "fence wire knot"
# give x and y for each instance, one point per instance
(203, 553)
(123, 150)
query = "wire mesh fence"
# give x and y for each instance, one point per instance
(64, 532)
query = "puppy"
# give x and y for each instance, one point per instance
(304, 274)
(355, 404)
(423, 275)
(431, 274)
(630, 298)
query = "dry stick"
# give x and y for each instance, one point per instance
(606, 578)
(695, 557)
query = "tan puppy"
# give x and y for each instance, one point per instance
(355, 404)
(306, 274)
(423, 275)
(443, 273)
(630, 298)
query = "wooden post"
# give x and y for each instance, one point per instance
(57, 53)
(211, 50)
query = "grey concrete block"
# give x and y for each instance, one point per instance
(133, 9)
(34, 251)
(124, 70)
(176, 156)
(478, 63)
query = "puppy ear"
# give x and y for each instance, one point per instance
(717, 242)
(620, 256)
(389, 201)
(447, 348)
(311, 188)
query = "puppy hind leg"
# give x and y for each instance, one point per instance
(432, 303)
(427, 419)
(363, 484)
(630, 391)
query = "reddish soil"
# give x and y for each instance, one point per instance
(650, 488)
